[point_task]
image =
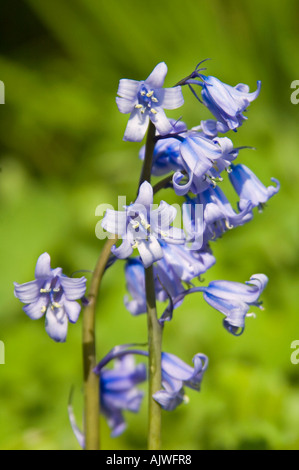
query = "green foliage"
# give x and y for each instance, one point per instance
(62, 154)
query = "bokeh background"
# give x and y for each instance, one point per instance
(62, 154)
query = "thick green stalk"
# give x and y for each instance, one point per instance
(154, 327)
(91, 380)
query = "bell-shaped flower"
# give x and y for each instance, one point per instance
(250, 188)
(145, 100)
(176, 375)
(215, 216)
(140, 227)
(53, 294)
(119, 393)
(200, 156)
(225, 102)
(234, 300)
(166, 155)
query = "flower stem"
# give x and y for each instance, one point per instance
(91, 380)
(154, 327)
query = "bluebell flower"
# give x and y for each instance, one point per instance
(119, 393)
(234, 300)
(215, 217)
(140, 227)
(202, 158)
(212, 128)
(250, 188)
(145, 100)
(53, 294)
(166, 155)
(176, 375)
(225, 102)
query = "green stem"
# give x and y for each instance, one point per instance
(91, 380)
(154, 327)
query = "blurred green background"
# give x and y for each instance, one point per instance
(62, 154)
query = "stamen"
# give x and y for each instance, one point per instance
(186, 399)
(149, 94)
(227, 224)
(135, 245)
(43, 309)
(56, 289)
(55, 305)
(138, 106)
(153, 111)
(45, 291)
(154, 99)
(142, 93)
(136, 225)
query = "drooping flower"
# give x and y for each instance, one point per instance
(140, 227)
(203, 159)
(145, 100)
(176, 375)
(215, 216)
(119, 392)
(54, 294)
(250, 188)
(234, 299)
(225, 102)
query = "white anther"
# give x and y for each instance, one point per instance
(56, 305)
(149, 94)
(142, 93)
(136, 225)
(43, 309)
(186, 399)
(135, 245)
(153, 111)
(45, 291)
(154, 99)
(138, 106)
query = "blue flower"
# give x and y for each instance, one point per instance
(249, 187)
(145, 100)
(176, 375)
(234, 299)
(53, 294)
(215, 216)
(225, 102)
(203, 159)
(119, 393)
(140, 227)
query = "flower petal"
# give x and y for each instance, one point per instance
(150, 251)
(170, 98)
(74, 288)
(27, 292)
(157, 77)
(56, 324)
(36, 310)
(72, 309)
(136, 127)
(160, 121)
(128, 89)
(43, 266)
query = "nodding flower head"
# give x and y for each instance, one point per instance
(53, 294)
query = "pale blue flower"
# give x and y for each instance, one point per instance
(54, 295)
(145, 100)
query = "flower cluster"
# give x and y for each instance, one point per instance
(196, 161)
